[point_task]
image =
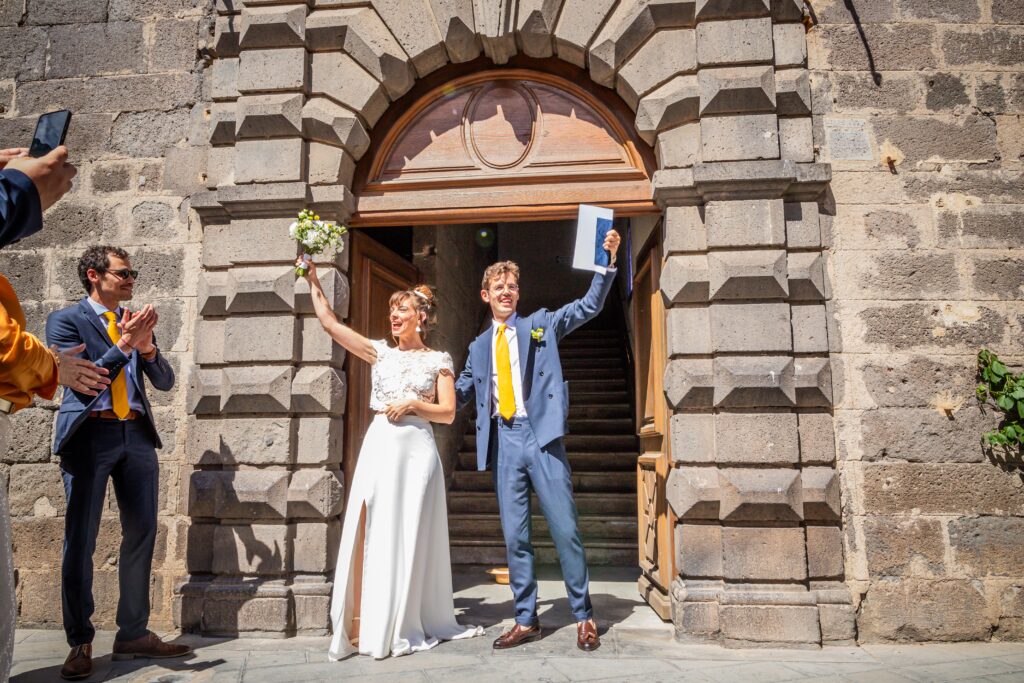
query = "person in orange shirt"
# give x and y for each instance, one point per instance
(28, 187)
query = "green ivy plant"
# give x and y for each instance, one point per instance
(1002, 389)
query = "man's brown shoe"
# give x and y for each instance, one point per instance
(586, 636)
(148, 646)
(78, 665)
(517, 636)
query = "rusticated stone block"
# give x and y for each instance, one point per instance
(318, 389)
(335, 286)
(899, 546)
(272, 70)
(535, 26)
(893, 488)
(496, 28)
(987, 546)
(666, 54)
(209, 344)
(454, 18)
(673, 104)
(750, 327)
(251, 494)
(699, 550)
(689, 331)
(755, 554)
(329, 165)
(812, 380)
(745, 223)
(807, 276)
(256, 389)
(838, 624)
(361, 34)
(766, 624)
(738, 89)
(817, 439)
(693, 492)
(262, 549)
(224, 79)
(411, 23)
(793, 92)
(689, 383)
(678, 147)
(260, 290)
(747, 275)
(731, 9)
(736, 41)
(225, 36)
(580, 21)
(340, 78)
(204, 392)
(316, 546)
(331, 124)
(914, 609)
(231, 616)
(810, 329)
(803, 226)
(824, 551)
(213, 291)
(315, 493)
(684, 279)
(276, 26)
(319, 440)
(754, 382)
(313, 614)
(739, 137)
(248, 241)
(790, 44)
(776, 442)
(787, 10)
(796, 139)
(685, 230)
(269, 161)
(694, 620)
(247, 441)
(821, 494)
(760, 495)
(223, 123)
(693, 438)
(317, 346)
(259, 339)
(202, 493)
(630, 28)
(267, 116)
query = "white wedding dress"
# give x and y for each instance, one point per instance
(406, 603)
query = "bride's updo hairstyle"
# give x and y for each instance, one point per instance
(421, 298)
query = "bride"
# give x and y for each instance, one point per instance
(401, 599)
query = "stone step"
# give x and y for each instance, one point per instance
(598, 398)
(582, 461)
(609, 353)
(607, 554)
(601, 504)
(612, 375)
(584, 482)
(620, 425)
(581, 442)
(572, 362)
(599, 412)
(488, 527)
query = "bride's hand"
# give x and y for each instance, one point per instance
(310, 269)
(397, 410)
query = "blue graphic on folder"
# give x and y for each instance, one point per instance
(600, 255)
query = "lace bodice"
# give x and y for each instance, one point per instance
(403, 375)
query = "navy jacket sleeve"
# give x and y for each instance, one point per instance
(21, 214)
(62, 333)
(464, 389)
(159, 371)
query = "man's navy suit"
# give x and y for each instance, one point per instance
(21, 214)
(527, 454)
(93, 449)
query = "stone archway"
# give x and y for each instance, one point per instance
(720, 88)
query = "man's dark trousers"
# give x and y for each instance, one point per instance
(124, 452)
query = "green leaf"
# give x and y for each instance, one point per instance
(1020, 409)
(1017, 393)
(1005, 402)
(999, 368)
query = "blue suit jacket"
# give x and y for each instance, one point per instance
(546, 395)
(76, 324)
(21, 214)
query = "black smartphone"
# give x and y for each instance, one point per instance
(51, 130)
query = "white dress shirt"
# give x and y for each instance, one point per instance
(513, 356)
(104, 401)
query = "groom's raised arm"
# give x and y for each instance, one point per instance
(464, 387)
(576, 313)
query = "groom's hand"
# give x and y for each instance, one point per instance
(611, 244)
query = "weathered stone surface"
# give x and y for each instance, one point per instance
(810, 328)
(693, 438)
(924, 435)
(269, 161)
(335, 287)
(707, 10)
(734, 138)
(666, 54)
(259, 290)
(945, 91)
(260, 549)
(807, 276)
(685, 230)
(812, 381)
(910, 610)
(260, 338)
(747, 274)
(749, 223)
(246, 441)
(411, 23)
(735, 41)
(838, 624)
(902, 487)
(256, 389)
(672, 104)
(629, 27)
(790, 45)
(685, 279)
(946, 326)
(760, 495)
(1000, 277)
(225, 36)
(249, 241)
(251, 494)
(147, 93)
(579, 22)
(84, 50)
(776, 442)
(738, 89)
(763, 554)
(340, 78)
(204, 392)
(65, 12)
(824, 552)
(318, 389)
(894, 47)
(689, 331)
(496, 28)
(329, 165)
(857, 91)
(754, 382)
(230, 617)
(36, 490)
(817, 438)
(315, 546)
(699, 550)
(454, 19)
(224, 79)
(821, 494)
(679, 147)
(319, 440)
(693, 492)
(796, 139)
(272, 70)
(275, 26)
(29, 438)
(987, 546)
(803, 227)
(535, 26)
(769, 624)
(759, 327)
(982, 226)
(989, 47)
(315, 493)
(267, 116)
(689, 383)
(327, 122)
(904, 546)
(968, 139)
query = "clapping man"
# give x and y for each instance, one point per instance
(110, 436)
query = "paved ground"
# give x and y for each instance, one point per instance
(637, 646)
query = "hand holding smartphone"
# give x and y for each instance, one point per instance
(51, 129)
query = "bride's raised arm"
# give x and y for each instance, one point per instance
(352, 341)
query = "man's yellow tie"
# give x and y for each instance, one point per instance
(506, 396)
(119, 387)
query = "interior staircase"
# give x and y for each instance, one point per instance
(602, 449)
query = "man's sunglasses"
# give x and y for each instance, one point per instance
(124, 273)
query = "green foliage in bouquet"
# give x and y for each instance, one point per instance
(316, 236)
(1003, 389)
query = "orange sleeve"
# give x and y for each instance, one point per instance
(26, 366)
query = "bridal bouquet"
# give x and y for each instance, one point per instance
(315, 236)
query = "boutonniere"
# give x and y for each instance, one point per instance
(537, 334)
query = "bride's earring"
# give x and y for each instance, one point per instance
(419, 330)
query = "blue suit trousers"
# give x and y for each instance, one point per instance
(523, 465)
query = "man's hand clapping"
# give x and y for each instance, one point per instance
(79, 374)
(137, 330)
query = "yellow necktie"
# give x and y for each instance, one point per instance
(119, 387)
(506, 397)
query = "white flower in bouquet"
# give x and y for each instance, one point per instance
(316, 237)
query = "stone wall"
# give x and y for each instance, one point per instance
(928, 267)
(130, 72)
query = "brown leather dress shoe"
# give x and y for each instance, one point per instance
(586, 636)
(148, 646)
(517, 636)
(78, 665)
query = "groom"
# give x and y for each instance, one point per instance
(514, 372)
